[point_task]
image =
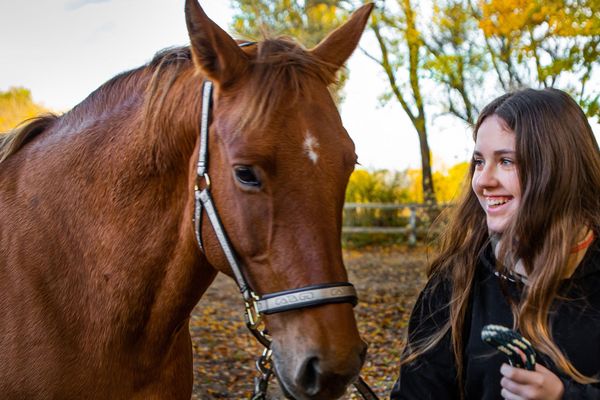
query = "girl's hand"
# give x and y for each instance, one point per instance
(521, 384)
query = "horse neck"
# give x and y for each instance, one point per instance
(172, 284)
(151, 275)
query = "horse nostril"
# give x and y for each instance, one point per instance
(309, 376)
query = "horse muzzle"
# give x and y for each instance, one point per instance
(308, 374)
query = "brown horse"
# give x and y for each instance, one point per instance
(100, 267)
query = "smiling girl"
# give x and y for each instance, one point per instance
(521, 250)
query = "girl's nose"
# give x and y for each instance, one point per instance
(486, 177)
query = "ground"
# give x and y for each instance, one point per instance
(387, 279)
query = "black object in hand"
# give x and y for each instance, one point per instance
(519, 351)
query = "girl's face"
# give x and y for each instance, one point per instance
(495, 179)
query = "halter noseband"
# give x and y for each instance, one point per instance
(293, 299)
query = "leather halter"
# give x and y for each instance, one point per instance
(309, 296)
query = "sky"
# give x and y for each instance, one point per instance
(64, 49)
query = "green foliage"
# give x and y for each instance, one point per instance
(404, 189)
(544, 43)
(381, 186)
(17, 105)
(306, 21)
(455, 59)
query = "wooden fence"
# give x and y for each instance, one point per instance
(411, 220)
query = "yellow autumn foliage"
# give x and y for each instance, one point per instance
(447, 183)
(510, 18)
(384, 186)
(16, 105)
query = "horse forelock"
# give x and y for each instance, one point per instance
(281, 73)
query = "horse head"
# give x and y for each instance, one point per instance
(279, 163)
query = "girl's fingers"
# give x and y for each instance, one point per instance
(507, 395)
(522, 376)
(540, 384)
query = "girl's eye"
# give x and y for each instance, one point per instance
(477, 162)
(246, 176)
(506, 161)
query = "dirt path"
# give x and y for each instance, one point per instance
(387, 280)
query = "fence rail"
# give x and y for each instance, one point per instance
(412, 219)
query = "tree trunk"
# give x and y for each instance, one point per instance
(427, 183)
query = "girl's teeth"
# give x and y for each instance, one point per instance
(497, 202)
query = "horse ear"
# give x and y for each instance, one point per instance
(337, 47)
(213, 50)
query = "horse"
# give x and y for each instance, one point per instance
(101, 264)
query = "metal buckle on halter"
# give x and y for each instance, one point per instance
(204, 178)
(253, 318)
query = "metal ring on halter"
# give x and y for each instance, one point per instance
(206, 180)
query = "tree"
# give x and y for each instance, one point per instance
(307, 21)
(495, 46)
(17, 105)
(456, 59)
(473, 50)
(544, 43)
(501, 45)
(401, 58)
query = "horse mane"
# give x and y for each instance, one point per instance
(281, 72)
(114, 90)
(11, 142)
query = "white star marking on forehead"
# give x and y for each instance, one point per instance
(310, 147)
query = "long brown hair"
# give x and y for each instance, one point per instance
(558, 163)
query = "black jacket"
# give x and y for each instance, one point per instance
(575, 326)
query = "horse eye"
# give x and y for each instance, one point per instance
(246, 176)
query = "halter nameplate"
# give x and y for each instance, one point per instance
(306, 297)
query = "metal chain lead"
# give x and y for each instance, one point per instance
(364, 389)
(261, 383)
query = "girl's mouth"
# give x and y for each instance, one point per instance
(497, 201)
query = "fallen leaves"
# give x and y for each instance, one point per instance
(387, 280)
